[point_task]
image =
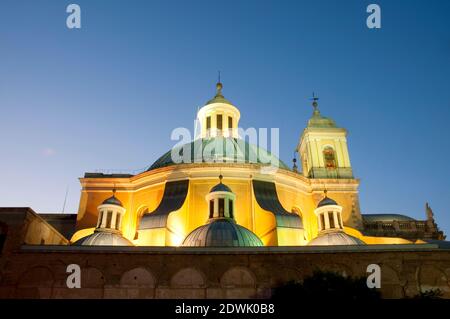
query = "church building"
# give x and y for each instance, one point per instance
(229, 203)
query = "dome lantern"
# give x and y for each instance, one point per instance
(108, 229)
(220, 201)
(110, 213)
(329, 214)
(331, 227)
(221, 229)
(218, 117)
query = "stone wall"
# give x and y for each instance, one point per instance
(40, 271)
(21, 225)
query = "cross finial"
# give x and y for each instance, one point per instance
(315, 99)
(219, 85)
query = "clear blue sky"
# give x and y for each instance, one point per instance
(109, 95)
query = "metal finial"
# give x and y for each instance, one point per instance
(294, 166)
(220, 178)
(219, 86)
(325, 192)
(315, 99)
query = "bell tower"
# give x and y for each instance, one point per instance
(323, 148)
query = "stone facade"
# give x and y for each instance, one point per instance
(40, 272)
(32, 269)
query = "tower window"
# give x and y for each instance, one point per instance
(108, 219)
(100, 218)
(322, 221)
(331, 220)
(211, 208)
(208, 122)
(230, 122)
(329, 157)
(118, 217)
(230, 208)
(221, 207)
(219, 122)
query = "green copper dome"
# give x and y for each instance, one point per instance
(317, 120)
(335, 238)
(222, 232)
(104, 238)
(386, 218)
(220, 149)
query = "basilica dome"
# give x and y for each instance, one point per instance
(220, 149)
(104, 238)
(222, 232)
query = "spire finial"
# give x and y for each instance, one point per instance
(219, 86)
(294, 166)
(220, 178)
(114, 190)
(314, 103)
(325, 192)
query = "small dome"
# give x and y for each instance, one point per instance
(222, 232)
(386, 218)
(335, 238)
(112, 201)
(220, 188)
(319, 121)
(326, 201)
(218, 98)
(104, 238)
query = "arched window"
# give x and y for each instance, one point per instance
(297, 211)
(329, 157)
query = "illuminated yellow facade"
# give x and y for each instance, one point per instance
(325, 164)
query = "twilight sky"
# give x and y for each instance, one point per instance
(108, 95)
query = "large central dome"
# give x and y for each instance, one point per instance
(219, 149)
